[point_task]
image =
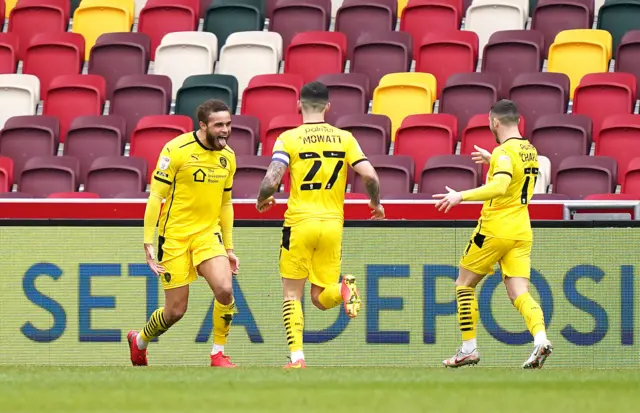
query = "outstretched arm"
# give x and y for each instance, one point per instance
(271, 180)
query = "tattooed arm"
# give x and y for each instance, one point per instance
(271, 180)
(372, 184)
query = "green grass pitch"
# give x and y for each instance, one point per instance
(322, 390)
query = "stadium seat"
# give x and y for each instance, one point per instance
(262, 49)
(486, 17)
(73, 195)
(312, 54)
(379, 53)
(133, 195)
(619, 139)
(70, 96)
(349, 93)
(19, 95)
(468, 94)
(26, 137)
(95, 17)
(628, 54)
(455, 171)
(246, 134)
(291, 17)
(183, 54)
(199, 88)
(225, 17)
(402, 94)
(612, 197)
(119, 54)
(373, 132)
(8, 53)
(357, 17)
(110, 175)
(445, 53)
(424, 136)
(45, 175)
(160, 17)
(582, 175)
(550, 197)
(550, 17)
(423, 18)
(395, 173)
(559, 136)
(477, 132)
(249, 173)
(631, 181)
(277, 126)
(6, 172)
(29, 18)
(92, 137)
(600, 95)
(544, 175)
(268, 96)
(137, 96)
(53, 54)
(618, 17)
(539, 94)
(512, 52)
(153, 132)
(592, 48)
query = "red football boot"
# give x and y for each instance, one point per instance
(138, 357)
(220, 360)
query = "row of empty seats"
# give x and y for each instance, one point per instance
(114, 176)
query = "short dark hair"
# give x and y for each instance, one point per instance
(210, 106)
(314, 96)
(506, 112)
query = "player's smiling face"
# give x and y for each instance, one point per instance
(218, 129)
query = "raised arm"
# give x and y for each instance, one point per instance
(272, 179)
(370, 178)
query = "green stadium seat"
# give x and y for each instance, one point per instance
(225, 17)
(618, 17)
(198, 88)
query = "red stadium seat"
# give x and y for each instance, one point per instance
(8, 53)
(582, 175)
(6, 174)
(356, 17)
(421, 18)
(312, 54)
(446, 52)
(631, 182)
(246, 134)
(600, 95)
(378, 53)
(456, 171)
(478, 133)
(291, 17)
(550, 17)
(54, 54)
(30, 18)
(74, 195)
(249, 173)
(395, 172)
(424, 136)
(49, 174)
(268, 96)
(349, 94)
(277, 126)
(160, 17)
(112, 175)
(620, 139)
(70, 96)
(153, 132)
(628, 54)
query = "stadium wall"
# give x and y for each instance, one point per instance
(72, 289)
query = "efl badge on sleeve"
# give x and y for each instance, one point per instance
(164, 163)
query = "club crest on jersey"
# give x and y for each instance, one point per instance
(164, 163)
(223, 161)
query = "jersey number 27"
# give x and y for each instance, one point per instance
(307, 182)
(528, 173)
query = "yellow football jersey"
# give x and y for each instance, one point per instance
(317, 154)
(196, 177)
(507, 216)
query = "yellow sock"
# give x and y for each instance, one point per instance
(222, 318)
(531, 312)
(293, 323)
(331, 296)
(155, 327)
(467, 312)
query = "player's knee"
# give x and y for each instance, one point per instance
(316, 302)
(224, 295)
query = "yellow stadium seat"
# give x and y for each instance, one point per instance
(586, 35)
(580, 52)
(8, 6)
(401, 5)
(399, 95)
(95, 17)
